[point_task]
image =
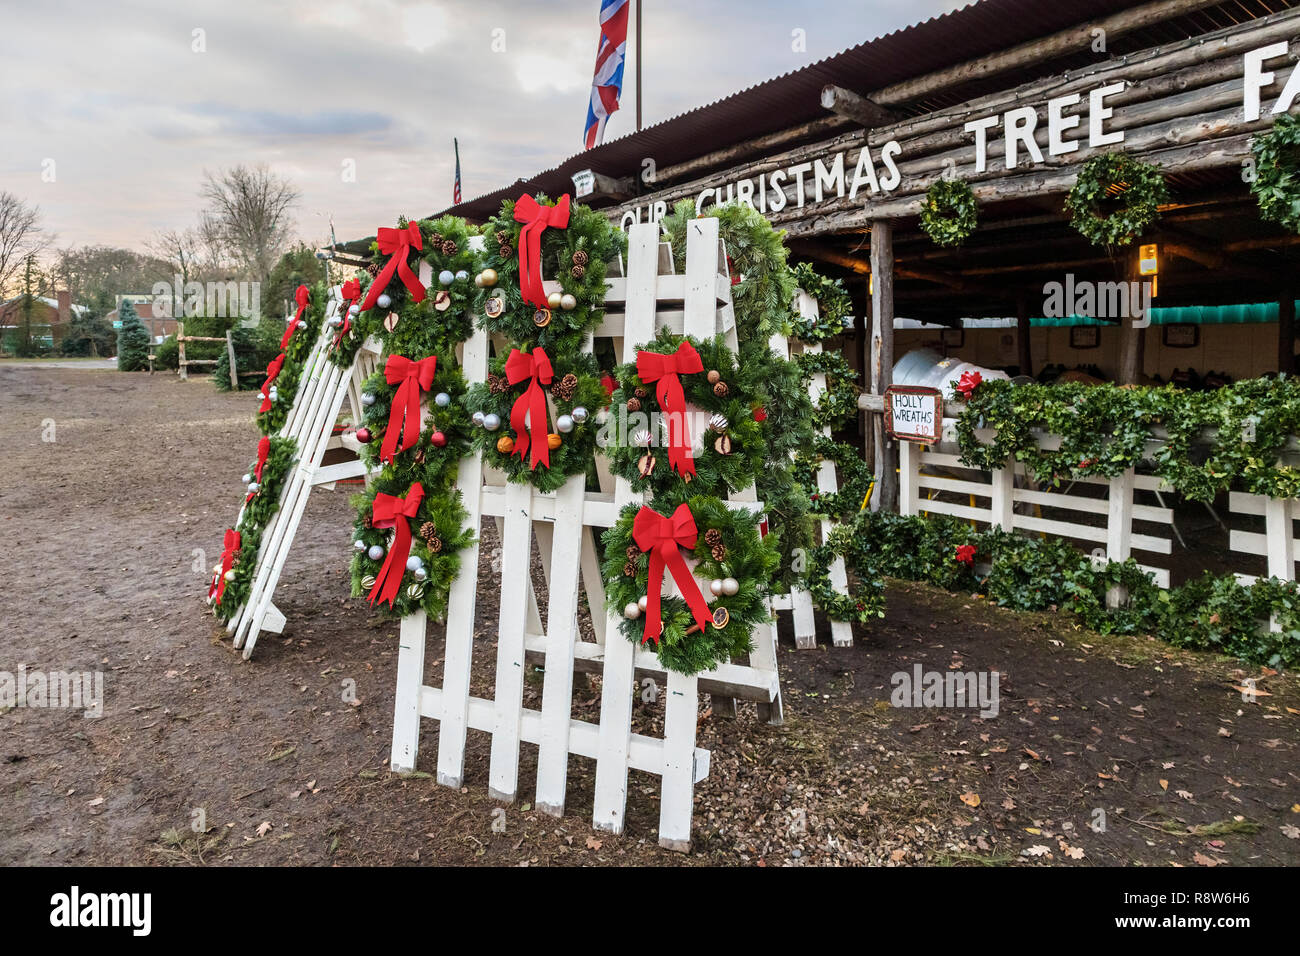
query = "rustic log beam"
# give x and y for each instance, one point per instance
(854, 107)
(759, 144)
(1072, 40)
(1242, 245)
(882, 356)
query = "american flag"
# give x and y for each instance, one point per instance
(607, 82)
(455, 189)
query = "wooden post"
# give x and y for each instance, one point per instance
(1286, 331)
(1025, 355)
(882, 356)
(862, 306)
(1119, 527)
(230, 354)
(180, 352)
(1132, 337)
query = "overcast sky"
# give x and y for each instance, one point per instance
(124, 103)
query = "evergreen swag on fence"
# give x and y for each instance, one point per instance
(1211, 613)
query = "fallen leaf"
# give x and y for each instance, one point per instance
(1038, 850)
(1290, 832)
(594, 844)
(1185, 794)
(1204, 860)
(264, 828)
(971, 799)
(1164, 784)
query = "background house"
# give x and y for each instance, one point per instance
(50, 319)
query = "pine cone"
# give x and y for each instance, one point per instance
(634, 404)
(633, 552)
(374, 269)
(497, 383)
(565, 387)
(580, 258)
(435, 239)
(428, 530)
(503, 238)
(640, 393)
(713, 537)
(720, 389)
(629, 570)
(449, 248)
(435, 544)
(719, 552)
(505, 251)
(578, 271)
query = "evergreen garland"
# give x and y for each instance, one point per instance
(1115, 199)
(834, 307)
(344, 346)
(295, 357)
(1277, 172)
(745, 556)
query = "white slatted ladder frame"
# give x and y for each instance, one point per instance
(1117, 538)
(569, 518)
(321, 392)
(1277, 543)
(799, 602)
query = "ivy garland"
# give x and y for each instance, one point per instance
(575, 384)
(730, 453)
(253, 518)
(295, 356)
(1277, 172)
(1106, 429)
(854, 478)
(1115, 199)
(575, 256)
(834, 307)
(728, 546)
(838, 404)
(949, 215)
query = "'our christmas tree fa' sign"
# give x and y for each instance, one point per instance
(913, 413)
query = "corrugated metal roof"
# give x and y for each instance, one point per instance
(793, 98)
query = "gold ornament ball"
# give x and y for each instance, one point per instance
(505, 444)
(553, 300)
(568, 302)
(489, 277)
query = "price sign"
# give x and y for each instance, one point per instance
(913, 413)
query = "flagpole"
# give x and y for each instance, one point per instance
(639, 5)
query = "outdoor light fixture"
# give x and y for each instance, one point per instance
(1148, 260)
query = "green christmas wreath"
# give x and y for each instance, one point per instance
(445, 429)
(724, 420)
(1277, 172)
(834, 307)
(1115, 199)
(573, 397)
(575, 256)
(838, 404)
(733, 558)
(854, 478)
(949, 214)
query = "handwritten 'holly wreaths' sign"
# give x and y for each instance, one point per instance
(913, 413)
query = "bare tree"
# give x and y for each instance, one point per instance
(21, 237)
(250, 214)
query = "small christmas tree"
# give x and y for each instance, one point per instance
(132, 340)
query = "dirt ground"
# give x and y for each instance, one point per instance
(1104, 751)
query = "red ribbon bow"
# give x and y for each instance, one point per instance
(387, 512)
(396, 243)
(263, 450)
(661, 536)
(665, 369)
(968, 382)
(231, 547)
(351, 291)
(536, 369)
(411, 378)
(536, 219)
(272, 371)
(303, 297)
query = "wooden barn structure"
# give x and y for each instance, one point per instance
(1011, 96)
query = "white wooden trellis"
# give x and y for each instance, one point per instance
(1116, 538)
(799, 602)
(1277, 543)
(322, 389)
(566, 521)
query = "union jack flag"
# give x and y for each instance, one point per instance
(455, 189)
(607, 81)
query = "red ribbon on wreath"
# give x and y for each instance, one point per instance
(662, 536)
(303, 297)
(536, 219)
(535, 368)
(272, 370)
(411, 378)
(263, 450)
(230, 548)
(351, 291)
(968, 382)
(665, 370)
(396, 244)
(388, 511)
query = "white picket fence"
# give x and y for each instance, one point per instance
(644, 298)
(322, 389)
(931, 477)
(1277, 543)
